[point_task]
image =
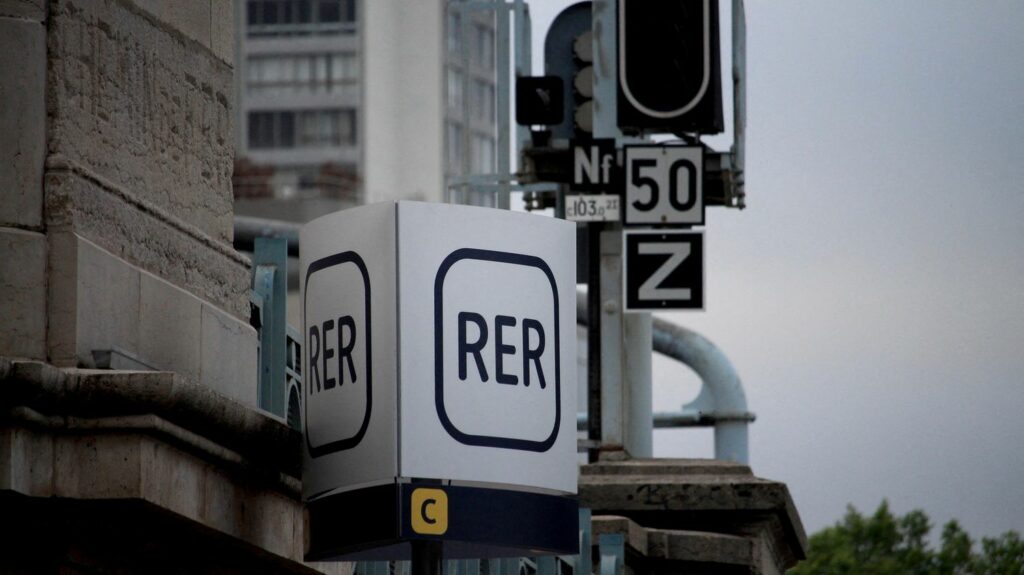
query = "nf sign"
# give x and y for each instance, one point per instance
(593, 164)
(663, 270)
(664, 185)
(437, 340)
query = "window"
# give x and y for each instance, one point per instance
(483, 100)
(482, 154)
(484, 47)
(455, 90)
(286, 17)
(302, 129)
(454, 32)
(301, 73)
(454, 137)
(271, 130)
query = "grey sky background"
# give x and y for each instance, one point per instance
(872, 294)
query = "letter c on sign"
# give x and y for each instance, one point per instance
(423, 511)
(429, 511)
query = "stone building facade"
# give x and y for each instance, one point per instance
(129, 438)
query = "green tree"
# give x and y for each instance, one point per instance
(887, 544)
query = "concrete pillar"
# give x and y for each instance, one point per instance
(22, 152)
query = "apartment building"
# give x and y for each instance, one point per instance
(303, 115)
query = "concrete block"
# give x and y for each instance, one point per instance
(228, 356)
(62, 290)
(222, 16)
(169, 326)
(22, 293)
(171, 479)
(31, 463)
(191, 18)
(22, 115)
(270, 520)
(148, 240)
(147, 111)
(97, 466)
(6, 449)
(223, 502)
(33, 10)
(108, 303)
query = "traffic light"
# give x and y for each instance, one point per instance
(539, 100)
(568, 55)
(669, 66)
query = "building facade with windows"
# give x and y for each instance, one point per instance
(307, 101)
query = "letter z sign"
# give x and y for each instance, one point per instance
(663, 270)
(664, 185)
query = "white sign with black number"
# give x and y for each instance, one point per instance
(664, 185)
(592, 208)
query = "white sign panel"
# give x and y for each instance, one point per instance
(664, 185)
(488, 354)
(592, 208)
(349, 417)
(461, 320)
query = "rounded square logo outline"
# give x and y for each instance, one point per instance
(446, 422)
(349, 442)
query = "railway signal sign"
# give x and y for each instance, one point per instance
(664, 185)
(664, 270)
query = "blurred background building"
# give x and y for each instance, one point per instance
(316, 81)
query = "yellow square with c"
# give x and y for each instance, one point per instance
(429, 511)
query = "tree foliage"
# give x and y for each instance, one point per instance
(886, 544)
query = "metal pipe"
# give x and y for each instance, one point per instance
(721, 402)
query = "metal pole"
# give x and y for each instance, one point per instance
(594, 336)
(426, 558)
(626, 338)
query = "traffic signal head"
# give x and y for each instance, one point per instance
(669, 66)
(568, 55)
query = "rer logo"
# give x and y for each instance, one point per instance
(429, 511)
(496, 359)
(338, 388)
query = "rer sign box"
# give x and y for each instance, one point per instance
(439, 344)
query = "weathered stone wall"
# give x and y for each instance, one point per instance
(22, 153)
(143, 106)
(115, 175)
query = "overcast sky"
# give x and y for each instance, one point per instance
(872, 294)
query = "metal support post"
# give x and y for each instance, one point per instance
(426, 558)
(503, 69)
(627, 418)
(626, 414)
(270, 271)
(594, 336)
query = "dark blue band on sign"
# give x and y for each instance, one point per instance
(375, 523)
(439, 374)
(345, 442)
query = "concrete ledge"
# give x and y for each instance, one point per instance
(80, 394)
(685, 551)
(702, 496)
(139, 469)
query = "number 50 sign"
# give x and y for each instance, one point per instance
(664, 185)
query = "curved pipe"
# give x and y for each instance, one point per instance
(721, 402)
